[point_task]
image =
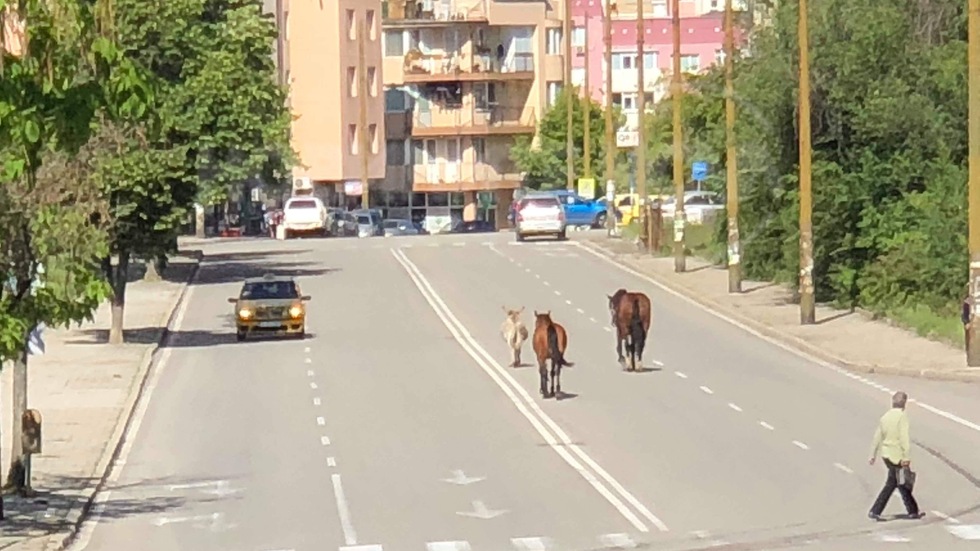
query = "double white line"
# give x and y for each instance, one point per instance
(556, 438)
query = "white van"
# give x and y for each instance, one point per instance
(304, 214)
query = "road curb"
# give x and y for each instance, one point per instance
(797, 344)
(76, 517)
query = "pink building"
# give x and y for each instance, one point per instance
(702, 43)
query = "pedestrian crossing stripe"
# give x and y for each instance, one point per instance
(970, 532)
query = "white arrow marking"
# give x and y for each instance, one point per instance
(460, 478)
(480, 511)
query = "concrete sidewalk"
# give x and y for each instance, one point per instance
(85, 391)
(851, 340)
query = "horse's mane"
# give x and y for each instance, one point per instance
(618, 296)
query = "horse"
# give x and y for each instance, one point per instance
(631, 317)
(550, 342)
(515, 333)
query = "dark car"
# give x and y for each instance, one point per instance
(475, 226)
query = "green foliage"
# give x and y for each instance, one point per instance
(889, 151)
(545, 165)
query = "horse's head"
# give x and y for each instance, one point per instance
(514, 315)
(542, 318)
(614, 301)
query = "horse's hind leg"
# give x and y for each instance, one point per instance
(517, 357)
(555, 385)
(557, 378)
(543, 372)
(619, 349)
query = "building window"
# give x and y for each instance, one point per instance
(351, 25)
(720, 57)
(650, 60)
(372, 25)
(617, 100)
(395, 153)
(554, 41)
(649, 99)
(690, 63)
(479, 146)
(373, 137)
(554, 89)
(285, 24)
(660, 8)
(373, 81)
(578, 37)
(714, 4)
(352, 82)
(352, 139)
(626, 101)
(624, 61)
(394, 43)
(484, 95)
(395, 101)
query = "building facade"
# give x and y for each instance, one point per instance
(463, 79)
(319, 55)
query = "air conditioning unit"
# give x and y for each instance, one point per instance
(302, 185)
(580, 50)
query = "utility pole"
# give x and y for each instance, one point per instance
(569, 99)
(973, 55)
(610, 136)
(807, 303)
(680, 261)
(586, 108)
(731, 156)
(641, 107)
(362, 38)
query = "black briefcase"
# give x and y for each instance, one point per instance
(906, 477)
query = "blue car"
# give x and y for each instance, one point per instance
(583, 212)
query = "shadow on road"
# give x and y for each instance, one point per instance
(235, 271)
(183, 339)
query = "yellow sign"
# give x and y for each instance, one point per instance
(586, 188)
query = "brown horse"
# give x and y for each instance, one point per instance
(631, 318)
(550, 342)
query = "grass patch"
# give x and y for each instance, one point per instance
(927, 323)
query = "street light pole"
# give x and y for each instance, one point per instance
(973, 56)
(680, 260)
(807, 300)
(731, 156)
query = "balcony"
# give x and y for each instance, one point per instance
(479, 67)
(445, 175)
(494, 121)
(432, 13)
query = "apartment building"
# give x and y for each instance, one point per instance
(702, 45)
(318, 56)
(463, 79)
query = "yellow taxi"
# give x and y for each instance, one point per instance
(270, 304)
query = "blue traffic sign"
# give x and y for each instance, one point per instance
(699, 171)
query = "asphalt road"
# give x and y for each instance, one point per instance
(397, 425)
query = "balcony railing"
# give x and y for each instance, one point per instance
(424, 12)
(473, 121)
(445, 172)
(420, 67)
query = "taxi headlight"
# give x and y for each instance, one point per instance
(244, 313)
(296, 312)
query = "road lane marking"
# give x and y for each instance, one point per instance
(580, 311)
(735, 407)
(891, 538)
(325, 440)
(617, 541)
(309, 372)
(350, 536)
(528, 270)
(559, 441)
(316, 401)
(309, 361)
(843, 468)
(546, 284)
(331, 462)
(765, 425)
(568, 302)
(607, 330)
(706, 390)
(800, 445)
(307, 350)
(681, 375)
(970, 532)
(557, 293)
(448, 546)
(362, 548)
(593, 320)
(788, 348)
(313, 386)
(537, 276)
(945, 517)
(533, 544)
(658, 363)
(321, 421)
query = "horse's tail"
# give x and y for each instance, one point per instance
(637, 334)
(554, 350)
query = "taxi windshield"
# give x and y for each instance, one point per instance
(267, 290)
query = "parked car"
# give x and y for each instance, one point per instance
(698, 206)
(369, 222)
(399, 226)
(540, 214)
(305, 214)
(475, 226)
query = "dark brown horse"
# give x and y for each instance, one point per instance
(550, 342)
(631, 318)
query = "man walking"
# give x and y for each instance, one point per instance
(892, 442)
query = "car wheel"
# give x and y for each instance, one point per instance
(240, 335)
(600, 220)
(562, 236)
(520, 237)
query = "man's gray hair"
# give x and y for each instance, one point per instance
(899, 399)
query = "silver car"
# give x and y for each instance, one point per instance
(540, 214)
(399, 226)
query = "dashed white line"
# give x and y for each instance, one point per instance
(568, 302)
(557, 293)
(681, 375)
(765, 425)
(706, 390)
(309, 372)
(580, 311)
(350, 536)
(546, 284)
(448, 546)
(538, 276)
(658, 362)
(532, 544)
(608, 330)
(843, 468)
(313, 386)
(316, 401)
(528, 270)
(331, 462)
(617, 541)
(593, 320)
(735, 407)
(325, 440)
(307, 350)
(321, 421)
(309, 360)
(800, 445)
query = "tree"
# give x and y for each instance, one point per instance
(51, 83)
(544, 165)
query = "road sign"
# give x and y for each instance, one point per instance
(353, 188)
(627, 138)
(586, 188)
(699, 171)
